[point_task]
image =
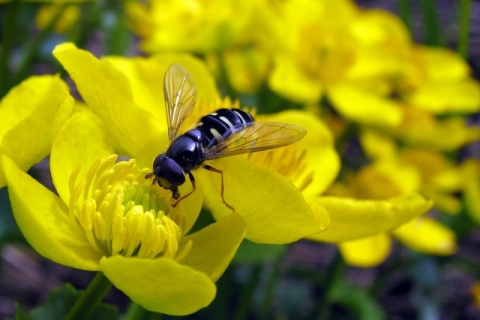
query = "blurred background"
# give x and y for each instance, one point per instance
(308, 279)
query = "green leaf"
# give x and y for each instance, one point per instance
(356, 300)
(59, 303)
(251, 252)
(9, 230)
(21, 314)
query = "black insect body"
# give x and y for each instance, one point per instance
(223, 133)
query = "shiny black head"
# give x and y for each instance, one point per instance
(168, 174)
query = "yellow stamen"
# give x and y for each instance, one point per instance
(120, 212)
(289, 161)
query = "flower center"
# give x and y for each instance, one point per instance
(121, 212)
(289, 161)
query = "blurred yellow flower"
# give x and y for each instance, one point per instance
(423, 129)
(352, 57)
(68, 16)
(193, 26)
(439, 82)
(394, 173)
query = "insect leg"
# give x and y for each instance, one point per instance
(210, 168)
(192, 180)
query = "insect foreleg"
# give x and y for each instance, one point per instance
(210, 168)
(192, 180)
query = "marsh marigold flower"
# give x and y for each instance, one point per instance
(110, 219)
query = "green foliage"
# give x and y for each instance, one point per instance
(250, 252)
(356, 300)
(59, 303)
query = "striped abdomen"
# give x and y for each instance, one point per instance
(221, 124)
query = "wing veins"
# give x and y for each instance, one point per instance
(258, 137)
(180, 97)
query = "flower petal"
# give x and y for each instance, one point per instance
(273, 207)
(454, 67)
(352, 219)
(81, 141)
(366, 252)
(109, 93)
(428, 236)
(287, 80)
(146, 78)
(214, 246)
(447, 97)
(160, 285)
(27, 133)
(364, 106)
(44, 221)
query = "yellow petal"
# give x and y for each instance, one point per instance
(454, 67)
(352, 219)
(383, 44)
(287, 80)
(447, 97)
(472, 194)
(377, 145)
(82, 140)
(44, 221)
(160, 285)
(364, 106)
(273, 207)
(366, 252)
(146, 78)
(475, 291)
(214, 246)
(32, 114)
(428, 236)
(109, 93)
(422, 128)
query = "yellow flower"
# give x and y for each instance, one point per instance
(445, 90)
(109, 218)
(475, 291)
(423, 129)
(389, 175)
(192, 26)
(25, 134)
(67, 19)
(352, 57)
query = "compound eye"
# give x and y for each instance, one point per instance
(158, 161)
(172, 172)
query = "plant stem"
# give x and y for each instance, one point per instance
(464, 32)
(136, 312)
(248, 292)
(405, 11)
(33, 47)
(9, 13)
(334, 273)
(90, 298)
(430, 21)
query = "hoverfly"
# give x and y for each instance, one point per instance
(223, 133)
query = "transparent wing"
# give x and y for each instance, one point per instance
(180, 96)
(257, 137)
